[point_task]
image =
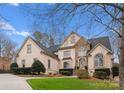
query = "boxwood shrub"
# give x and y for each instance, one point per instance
(106, 70)
(100, 75)
(66, 72)
(115, 71)
(24, 70)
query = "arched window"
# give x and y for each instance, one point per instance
(98, 60)
(81, 62)
(66, 65)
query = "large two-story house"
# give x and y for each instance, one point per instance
(75, 52)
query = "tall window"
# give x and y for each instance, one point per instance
(49, 64)
(98, 60)
(82, 52)
(23, 63)
(81, 62)
(72, 39)
(29, 48)
(66, 65)
(66, 54)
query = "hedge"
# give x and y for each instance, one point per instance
(67, 72)
(24, 70)
(106, 70)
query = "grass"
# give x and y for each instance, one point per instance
(70, 84)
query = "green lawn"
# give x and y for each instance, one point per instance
(70, 84)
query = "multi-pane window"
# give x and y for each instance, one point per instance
(82, 51)
(29, 48)
(66, 53)
(98, 60)
(66, 65)
(23, 63)
(49, 64)
(72, 39)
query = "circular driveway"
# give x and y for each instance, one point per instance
(13, 82)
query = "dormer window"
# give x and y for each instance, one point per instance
(72, 39)
(29, 48)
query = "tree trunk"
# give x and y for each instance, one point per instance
(121, 68)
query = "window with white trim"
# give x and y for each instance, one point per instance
(82, 52)
(98, 60)
(67, 53)
(29, 48)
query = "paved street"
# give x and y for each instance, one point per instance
(13, 82)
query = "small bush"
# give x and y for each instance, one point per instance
(26, 70)
(13, 65)
(115, 71)
(67, 72)
(100, 74)
(106, 70)
(38, 67)
(82, 74)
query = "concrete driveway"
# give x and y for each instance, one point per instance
(13, 82)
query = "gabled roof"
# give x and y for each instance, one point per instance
(93, 42)
(102, 40)
(46, 51)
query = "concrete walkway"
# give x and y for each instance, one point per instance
(13, 82)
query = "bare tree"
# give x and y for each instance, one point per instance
(7, 47)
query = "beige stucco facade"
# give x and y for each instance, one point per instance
(36, 54)
(107, 62)
(69, 52)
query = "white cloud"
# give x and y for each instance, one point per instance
(21, 33)
(14, 4)
(11, 30)
(6, 26)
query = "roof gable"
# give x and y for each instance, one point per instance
(45, 50)
(102, 40)
(100, 46)
(67, 41)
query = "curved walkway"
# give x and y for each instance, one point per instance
(13, 82)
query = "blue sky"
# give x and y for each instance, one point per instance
(17, 23)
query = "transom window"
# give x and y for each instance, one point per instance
(66, 53)
(29, 48)
(98, 60)
(66, 65)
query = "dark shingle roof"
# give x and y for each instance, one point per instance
(102, 40)
(54, 48)
(46, 50)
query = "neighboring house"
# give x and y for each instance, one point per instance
(5, 64)
(75, 52)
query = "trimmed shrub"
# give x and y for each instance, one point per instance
(38, 67)
(26, 70)
(82, 74)
(13, 65)
(115, 71)
(100, 74)
(67, 72)
(106, 70)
